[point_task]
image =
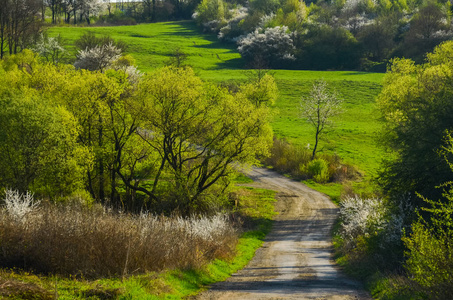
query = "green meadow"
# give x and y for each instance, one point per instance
(354, 136)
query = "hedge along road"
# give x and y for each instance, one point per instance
(295, 261)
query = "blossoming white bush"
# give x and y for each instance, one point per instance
(98, 57)
(272, 45)
(18, 204)
(367, 217)
(50, 48)
(361, 217)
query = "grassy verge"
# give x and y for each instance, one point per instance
(255, 210)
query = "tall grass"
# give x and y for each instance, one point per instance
(96, 242)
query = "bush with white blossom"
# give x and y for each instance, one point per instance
(271, 45)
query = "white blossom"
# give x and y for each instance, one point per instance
(97, 58)
(271, 44)
(18, 205)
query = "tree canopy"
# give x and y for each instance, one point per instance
(166, 140)
(417, 104)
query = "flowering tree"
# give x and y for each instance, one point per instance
(319, 108)
(98, 57)
(272, 45)
(50, 48)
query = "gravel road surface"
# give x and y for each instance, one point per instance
(295, 261)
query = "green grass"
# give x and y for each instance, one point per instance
(152, 44)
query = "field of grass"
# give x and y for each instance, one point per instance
(354, 137)
(152, 44)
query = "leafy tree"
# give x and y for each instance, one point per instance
(19, 24)
(198, 131)
(429, 248)
(428, 28)
(210, 11)
(264, 6)
(378, 37)
(261, 91)
(325, 47)
(319, 109)
(38, 148)
(416, 104)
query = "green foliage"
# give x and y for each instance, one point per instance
(262, 91)
(199, 130)
(323, 47)
(296, 161)
(264, 6)
(429, 27)
(38, 147)
(210, 11)
(416, 104)
(319, 169)
(429, 248)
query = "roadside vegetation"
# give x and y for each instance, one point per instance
(407, 233)
(76, 252)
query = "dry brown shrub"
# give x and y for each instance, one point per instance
(14, 289)
(71, 240)
(290, 159)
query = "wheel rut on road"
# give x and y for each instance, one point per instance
(295, 261)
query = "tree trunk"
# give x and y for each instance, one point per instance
(101, 164)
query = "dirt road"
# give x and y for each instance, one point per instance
(295, 261)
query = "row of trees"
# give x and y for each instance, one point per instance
(166, 140)
(19, 24)
(328, 35)
(118, 12)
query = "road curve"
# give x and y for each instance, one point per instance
(295, 261)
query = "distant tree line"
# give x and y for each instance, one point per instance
(19, 24)
(351, 34)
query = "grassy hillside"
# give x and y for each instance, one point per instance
(152, 44)
(353, 140)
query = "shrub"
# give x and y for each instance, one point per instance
(287, 158)
(210, 14)
(290, 159)
(272, 45)
(430, 251)
(72, 240)
(319, 169)
(360, 217)
(18, 205)
(324, 47)
(89, 40)
(98, 57)
(370, 233)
